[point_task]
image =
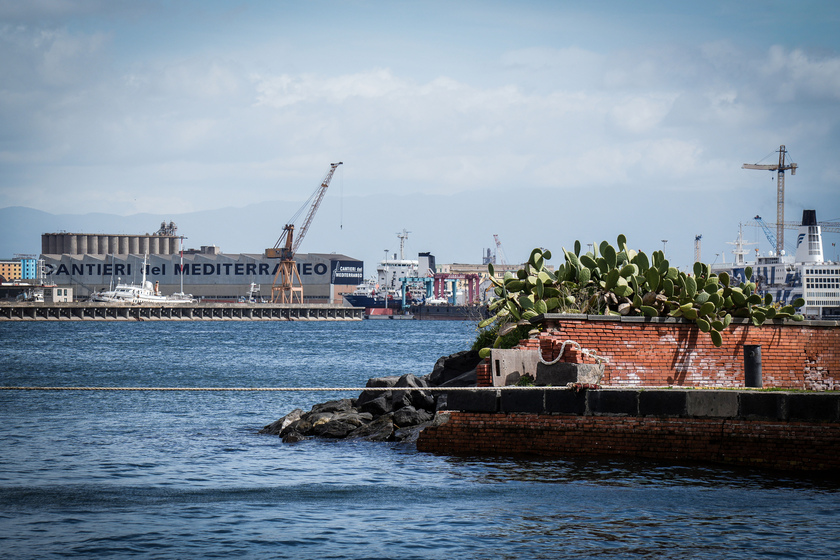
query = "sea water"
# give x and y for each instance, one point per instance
(184, 474)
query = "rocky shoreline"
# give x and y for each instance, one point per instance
(397, 408)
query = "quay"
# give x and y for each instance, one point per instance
(89, 311)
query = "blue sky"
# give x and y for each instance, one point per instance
(570, 120)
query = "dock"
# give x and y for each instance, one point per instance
(88, 311)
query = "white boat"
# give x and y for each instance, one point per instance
(805, 275)
(146, 292)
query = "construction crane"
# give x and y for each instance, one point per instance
(499, 250)
(287, 287)
(780, 169)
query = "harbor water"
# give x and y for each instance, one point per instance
(171, 474)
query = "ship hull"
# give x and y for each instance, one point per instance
(356, 300)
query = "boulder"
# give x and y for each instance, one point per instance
(450, 367)
(387, 414)
(417, 399)
(343, 405)
(410, 416)
(293, 437)
(411, 433)
(378, 406)
(333, 429)
(380, 429)
(279, 425)
(378, 382)
(466, 379)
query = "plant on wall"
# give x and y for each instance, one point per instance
(619, 281)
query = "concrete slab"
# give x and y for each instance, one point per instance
(712, 404)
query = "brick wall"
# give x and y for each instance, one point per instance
(781, 445)
(669, 352)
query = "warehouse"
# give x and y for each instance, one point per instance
(92, 262)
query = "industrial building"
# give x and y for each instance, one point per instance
(93, 262)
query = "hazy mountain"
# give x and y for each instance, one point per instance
(454, 228)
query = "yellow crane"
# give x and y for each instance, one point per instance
(780, 169)
(287, 287)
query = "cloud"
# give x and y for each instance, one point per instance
(799, 75)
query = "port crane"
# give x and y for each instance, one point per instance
(287, 287)
(826, 227)
(780, 169)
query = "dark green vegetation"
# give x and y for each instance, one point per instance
(620, 281)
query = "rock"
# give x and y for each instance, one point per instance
(411, 433)
(293, 437)
(417, 399)
(333, 429)
(340, 424)
(467, 379)
(343, 405)
(307, 422)
(400, 399)
(450, 367)
(385, 414)
(279, 425)
(378, 406)
(378, 382)
(410, 416)
(381, 429)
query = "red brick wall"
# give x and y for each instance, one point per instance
(783, 445)
(794, 356)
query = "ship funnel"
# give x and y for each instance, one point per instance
(809, 247)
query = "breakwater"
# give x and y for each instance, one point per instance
(780, 430)
(85, 311)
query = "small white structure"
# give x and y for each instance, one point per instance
(58, 295)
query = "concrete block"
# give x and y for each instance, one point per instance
(617, 402)
(713, 404)
(472, 401)
(565, 402)
(507, 366)
(662, 403)
(762, 406)
(814, 407)
(556, 375)
(524, 400)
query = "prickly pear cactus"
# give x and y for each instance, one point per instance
(620, 281)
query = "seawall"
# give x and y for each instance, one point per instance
(84, 311)
(780, 430)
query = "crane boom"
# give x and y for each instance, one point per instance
(289, 288)
(319, 196)
(780, 192)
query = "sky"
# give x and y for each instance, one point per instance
(539, 121)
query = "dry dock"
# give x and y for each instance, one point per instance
(85, 311)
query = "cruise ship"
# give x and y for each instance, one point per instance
(805, 275)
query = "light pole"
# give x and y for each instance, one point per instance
(664, 241)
